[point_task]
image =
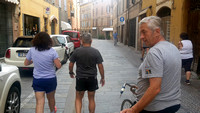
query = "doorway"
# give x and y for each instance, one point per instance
(165, 14)
(194, 32)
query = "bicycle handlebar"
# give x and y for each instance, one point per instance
(132, 88)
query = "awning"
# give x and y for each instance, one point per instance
(53, 17)
(107, 29)
(13, 1)
(145, 10)
(65, 26)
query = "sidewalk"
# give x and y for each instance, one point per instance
(121, 65)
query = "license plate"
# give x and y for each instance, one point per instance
(22, 54)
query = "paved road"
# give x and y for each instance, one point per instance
(121, 65)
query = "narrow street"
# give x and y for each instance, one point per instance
(121, 65)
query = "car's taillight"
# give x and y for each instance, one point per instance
(8, 53)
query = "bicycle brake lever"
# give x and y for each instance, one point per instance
(122, 89)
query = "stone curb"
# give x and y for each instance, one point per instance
(70, 100)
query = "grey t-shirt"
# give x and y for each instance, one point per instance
(163, 60)
(86, 59)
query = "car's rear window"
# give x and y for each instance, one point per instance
(71, 34)
(55, 42)
(26, 42)
(60, 39)
(23, 42)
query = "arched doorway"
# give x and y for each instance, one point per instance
(53, 22)
(165, 13)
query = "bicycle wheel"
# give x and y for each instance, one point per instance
(126, 104)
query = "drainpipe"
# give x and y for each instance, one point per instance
(117, 15)
(128, 29)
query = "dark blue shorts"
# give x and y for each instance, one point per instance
(44, 85)
(89, 84)
(186, 64)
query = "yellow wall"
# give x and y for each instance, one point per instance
(147, 3)
(37, 8)
(179, 20)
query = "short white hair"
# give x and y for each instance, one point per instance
(153, 22)
(87, 38)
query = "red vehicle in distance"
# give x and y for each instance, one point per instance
(75, 37)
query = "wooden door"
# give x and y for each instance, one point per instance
(194, 33)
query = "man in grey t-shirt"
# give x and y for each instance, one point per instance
(86, 59)
(159, 74)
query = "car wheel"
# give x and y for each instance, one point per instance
(13, 101)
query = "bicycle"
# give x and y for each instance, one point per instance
(127, 103)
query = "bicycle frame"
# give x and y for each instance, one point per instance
(127, 103)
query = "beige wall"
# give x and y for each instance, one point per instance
(16, 23)
(37, 9)
(76, 21)
(86, 17)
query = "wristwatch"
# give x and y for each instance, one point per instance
(71, 73)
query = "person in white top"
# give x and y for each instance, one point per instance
(186, 50)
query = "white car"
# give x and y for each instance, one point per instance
(10, 89)
(16, 54)
(65, 39)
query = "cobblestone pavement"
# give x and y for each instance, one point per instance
(121, 65)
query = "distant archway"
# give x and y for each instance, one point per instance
(165, 13)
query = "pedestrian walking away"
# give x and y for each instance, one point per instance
(115, 38)
(44, 57)
(86, 59)
(159, 74)
(186, 49)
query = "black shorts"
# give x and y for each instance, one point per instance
(89, 84)
(186, 64)
(172, 109)
(145, 47)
